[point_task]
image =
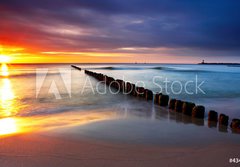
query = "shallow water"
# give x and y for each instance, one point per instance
(149, 125)
(25, 96)
(220, 89)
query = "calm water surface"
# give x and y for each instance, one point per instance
(27, 101)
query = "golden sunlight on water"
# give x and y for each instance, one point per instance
(7, 98)
(8, 126)
(17, 125)
(4, 70)
(7, 107)
(14, 125)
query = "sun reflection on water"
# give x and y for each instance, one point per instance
(8, 108)
(4, 70)
(7, 98)
(11, 108)
(8, 126)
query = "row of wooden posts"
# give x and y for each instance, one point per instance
(187, 108)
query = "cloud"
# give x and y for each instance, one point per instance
(93, 25)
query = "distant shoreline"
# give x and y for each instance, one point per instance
(228, 64)
(76, 63)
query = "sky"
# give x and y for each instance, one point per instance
(120, 31)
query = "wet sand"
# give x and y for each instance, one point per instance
(38, 150)
(125, 135)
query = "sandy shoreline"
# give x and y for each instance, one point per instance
(116, 139)
(30, 150)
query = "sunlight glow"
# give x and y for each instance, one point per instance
(6, 90)
(7, 105)
(4, 70)
(8, 126)
(8, 108)
(4, 59)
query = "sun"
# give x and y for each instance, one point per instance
(4, 59)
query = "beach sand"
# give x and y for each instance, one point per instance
(132, 139)
(28, 150)
(118, 137)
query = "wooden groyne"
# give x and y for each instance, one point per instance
(186, 108)
(76, 67)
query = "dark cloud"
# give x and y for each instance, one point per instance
(112, 24)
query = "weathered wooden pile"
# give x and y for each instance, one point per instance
(76, 67)
(186, 108)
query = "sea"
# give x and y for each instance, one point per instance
(37, 92)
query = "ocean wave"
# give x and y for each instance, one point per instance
(117, 68)
(62, 109)
(174, 69)
(158, 68)
(130, 68)
(177, 69)
(47, 111)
